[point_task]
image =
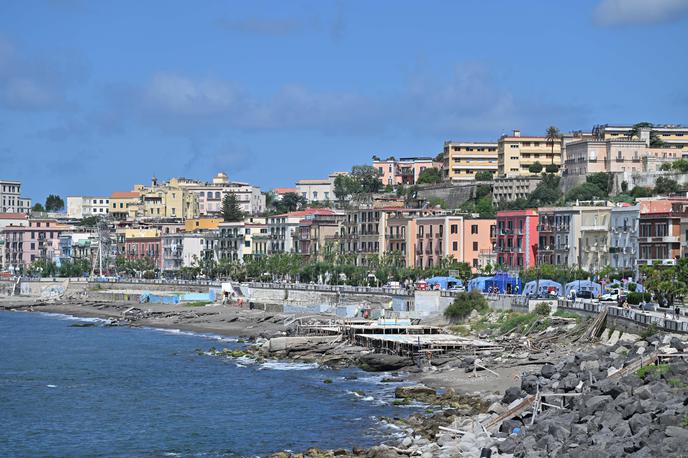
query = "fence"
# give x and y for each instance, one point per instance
(331, 288)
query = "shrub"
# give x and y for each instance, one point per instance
(543, 309)
(535, 168)
(639, 191)
(464, 304)
(483, 175)
(649, 331)
(517, 322)
(632, 287)
(636, 298)
(552, 168)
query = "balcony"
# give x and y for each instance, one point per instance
(650, 262)
(660, 239)
(595, 228)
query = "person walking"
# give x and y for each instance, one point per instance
(677, 312)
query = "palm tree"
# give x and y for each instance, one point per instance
(553, 135)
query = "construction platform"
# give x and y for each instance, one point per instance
(409, 345)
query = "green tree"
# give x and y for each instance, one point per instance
(624, 186)
(552, 168)
(90, 221)
(547, 192)
(552, 136)
(585, 191)
(290, 202)
(640, 191)
(37, 207)
(483, 175)
(439, 157)
(429, 175)
(603, 180)
(367, 177)
(54, 203)
(680, 165)
(665, 185)
(464, 304)
(231, 211)
(535, 167)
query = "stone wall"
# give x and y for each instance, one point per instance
(453, 194)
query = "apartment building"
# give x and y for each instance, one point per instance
(282, 228)
(38, 239)
(315, 238)
(673, 135)
(143, 244)
(516, 153)
(9, 219)
(516, 238)
(172, 251)
(10, 198)
(231, 240)
(462, 160)
(210, 194)
(659, 231)
(79, 207)
(566, 231)
(595, 238)
(615, 156)
(79, 246)
(624, 248)
(401, 239)
(452, 236)
(124, 205)
(405, 170)
(508, 189)
(316, 190)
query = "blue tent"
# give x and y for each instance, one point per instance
(583, 285)
(478, 283)
(544, 286)
(503, 282)
(444, 282)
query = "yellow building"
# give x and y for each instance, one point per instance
(515, 154)
(202, 224)
(168, 200)
(462, 160)
(140, 233)
(124, 205)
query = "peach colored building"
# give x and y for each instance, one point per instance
(462, 238)
(616, 156)
(405, 170)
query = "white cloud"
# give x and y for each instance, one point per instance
(175, 95)
(623, 12)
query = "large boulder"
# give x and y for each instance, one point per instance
(547, 371)
(511, 394)
(378, 362)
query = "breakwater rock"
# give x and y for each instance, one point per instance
(643, 413)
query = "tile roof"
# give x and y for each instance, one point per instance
(125, 194)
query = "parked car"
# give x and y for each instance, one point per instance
(457, 288)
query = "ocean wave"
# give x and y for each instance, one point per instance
(179, 332)
(287, 366)
(62, 316)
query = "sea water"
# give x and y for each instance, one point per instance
(70, 390)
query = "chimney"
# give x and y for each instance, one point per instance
(517, 133)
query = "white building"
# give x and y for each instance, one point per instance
(623, 245)
(10, 198)
(83, 206)
(316, 190)
(210, 195)
(9, 219)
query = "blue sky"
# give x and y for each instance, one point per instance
(98, 96)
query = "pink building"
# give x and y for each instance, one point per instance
(451, 236)
(37, 239)
(406, 170)
(516, 238)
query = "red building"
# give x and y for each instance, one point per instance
(516, 238)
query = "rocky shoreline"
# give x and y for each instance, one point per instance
(577, 403)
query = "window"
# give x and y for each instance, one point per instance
(475, 246)
(454, 229)
(474, 228)
(455, 246)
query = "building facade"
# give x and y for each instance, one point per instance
(462, 160)
(595, 238)
(11, 200)
(515, 154)
(39, 239)
(79, 207)
(405, 170)
(508, 189)
(516, 238)
(623, 248)
(316, 190)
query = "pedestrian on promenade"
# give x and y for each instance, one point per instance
(677, 313)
